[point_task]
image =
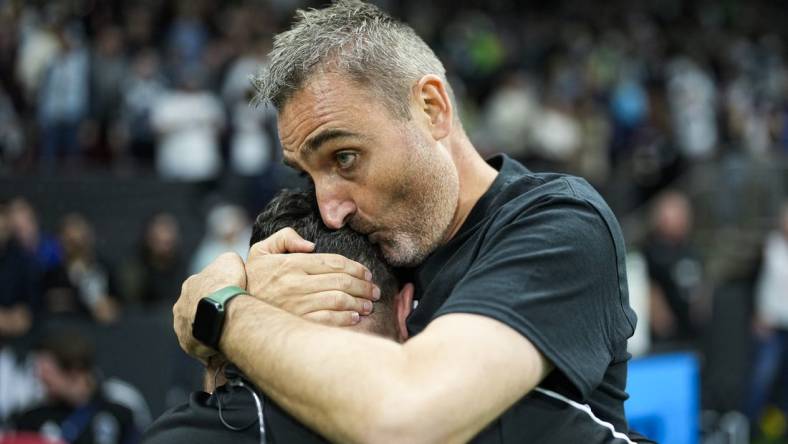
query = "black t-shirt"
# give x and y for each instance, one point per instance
(67, 293)
(543, 254)
(198, 422)
(99, 422)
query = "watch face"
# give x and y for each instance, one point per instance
(208, 322)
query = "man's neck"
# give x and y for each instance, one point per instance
(476, 177)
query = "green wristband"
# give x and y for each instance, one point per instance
(210, 315)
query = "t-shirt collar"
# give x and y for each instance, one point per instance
(508, 170)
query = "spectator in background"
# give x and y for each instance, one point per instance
(139, 25)
(63, 99)
(187, 36)
(188, 122)
(153, 278)
(771, 323)
(557, 135)
(251, 149)
(18, 294)
(675, 270)
(82, 284)
(143, 87)
(18, 284)
(24, 224)
(227, 230)
(692, 97)
(511, 114)
(12, 140)
(108, 68)
(76, 410)
(38, 46)
(591, 160)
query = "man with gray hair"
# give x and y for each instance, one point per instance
(521, 328)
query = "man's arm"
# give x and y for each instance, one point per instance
(444, 385)
(325, 288)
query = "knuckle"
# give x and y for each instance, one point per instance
(286, 232)
(187, 282)
(346, 318)
(228, 256)
(257, 250)
(315, 316)
(331, 299)
(336, 261)
(345, 282)
(339, 300)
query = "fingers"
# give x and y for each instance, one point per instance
(285, 240)
(340, 282)
(335, 301)
(321, 263)
(312, 263)
(335, 318)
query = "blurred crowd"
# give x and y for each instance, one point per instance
(676, 111)
(599, 90)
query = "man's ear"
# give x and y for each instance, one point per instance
(403, 304)
(432, 100)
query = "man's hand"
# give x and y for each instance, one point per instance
(228, 269)
(326, 288)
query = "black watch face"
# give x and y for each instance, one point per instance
(207, 326)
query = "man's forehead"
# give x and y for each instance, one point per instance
(329, 104)
(311, 107)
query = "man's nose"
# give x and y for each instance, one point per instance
(336, 213)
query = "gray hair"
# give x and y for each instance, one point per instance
(350, 37)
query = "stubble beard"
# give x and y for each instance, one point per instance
(429, 197)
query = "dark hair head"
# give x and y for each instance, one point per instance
(298, 210)
(72, 350)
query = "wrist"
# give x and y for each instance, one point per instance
(211, 315)
(236, 310)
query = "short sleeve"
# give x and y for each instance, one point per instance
(550, 272)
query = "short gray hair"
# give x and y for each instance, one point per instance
(350, 37)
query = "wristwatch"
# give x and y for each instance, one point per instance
(211, 311)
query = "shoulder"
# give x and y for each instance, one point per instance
(531, 190)
(197, 421)
(562, 206)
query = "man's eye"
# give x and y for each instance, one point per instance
(346, 159)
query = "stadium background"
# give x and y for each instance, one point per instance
(676, 111)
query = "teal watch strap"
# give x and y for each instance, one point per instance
(223, 295)
(209, 316)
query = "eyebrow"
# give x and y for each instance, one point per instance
(315, 142)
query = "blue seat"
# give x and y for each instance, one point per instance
(664, 402)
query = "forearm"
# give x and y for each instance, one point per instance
(330, 379)
(444, 385)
